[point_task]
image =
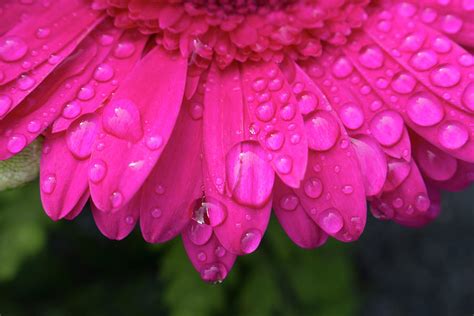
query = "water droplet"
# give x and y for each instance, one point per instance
(424, 109)
(159, 189)
(342, 67)
(347, 189)
(25, 82)
(451, 24)
(387, 127)
(154, 142)
(307, 102)
(215, 272)
(86, 93)
(116, 199)
(322, 131)
(284, 164)
(124, 50)
(313, 188)
(442, 44)
(48, 184)
(80, 136)
(121, 118)
(289, 202)
(250, 240)
(288, 112)
(16, 143)
(201, 256)
(468, 5)
(422, 203)
(103, 73)
(71, 110)
(5, 104)
(413, 42)
(220, 251)
(129, 220)
(330, 220)
(467, 97)
(196, 110)
(156, 213)
(106, 39)
(445, 76)
(351, 115)
(275, 84)
(275, 140)
(199, 234)
(12, 48)
(424, 60)
(265, 112)
(403, 83)
(42, 32)
(259, 85)
(453, 135)
(406, 9)
(371, 57)
(215, 211)
(34, 126)
(97, 171)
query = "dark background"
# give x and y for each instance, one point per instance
(68, 268)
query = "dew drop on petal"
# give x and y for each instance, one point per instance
(387, 127)
(215, 272)
(103, 73)
(274, 140)
(12, 48)
(48, 184)
(424, 60)
(284, 164)
(16, 143)
(121, 118)
(5, 104)
(250, 240)
(97, 171)
(124, 50)
(351, 115)
(371, 57)
(467, 97)
(445, 76)
(307, 102)
(289, 202)
(199, 234)
(424, 109)
(313, 188)
(330, 220)
(116, 198)
(322, 131)
(453, 135)
(403, 83)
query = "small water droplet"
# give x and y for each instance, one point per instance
(97, 171)
(16, 143)
(250, 240)
(48, 184)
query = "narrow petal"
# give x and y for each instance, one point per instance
(63, 170)
(210, 259)
(137, 124)
(301, 229)
(276, 121)
(175, 182)
(119, 224)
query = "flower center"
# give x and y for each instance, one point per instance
(223, 31)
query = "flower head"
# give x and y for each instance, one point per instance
(197, 117)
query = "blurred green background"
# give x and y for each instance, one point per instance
(69, 268)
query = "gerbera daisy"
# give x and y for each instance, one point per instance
(195, 117)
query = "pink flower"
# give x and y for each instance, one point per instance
(195, 117)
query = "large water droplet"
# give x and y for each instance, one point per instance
(265, 112)
(16, 143)
(103, 73)
(371, 57)
(451, 24)
(121, 118)
(80, 136)
(445, 76)
(322, 131)
(387, 127)
(124, 50)
(307, 102)
(199, 234)
(413, 42)
(48, 184)
(71, 110)
(342, 67)
(250, 240)
(289, 202)
(12, 48)
(424, 59)
(467, 97)
(403, 83)
(274, 140)
(351, 115)
(424, 109)
(330, 220)
(284, 164)
(97, 171)
(453, 135)
(215, 272)
(313, 188)
(25, 82)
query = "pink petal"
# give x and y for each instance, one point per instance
(461, 180)
(79, 207)
(65, 21)
(211, 259)
(223, 120)
(301, 229)
(119, 224)
(277, 122)
(398, 171)
(108, 75)
(373, 164)
(63, 171)
(175, 182)
(44, 105)
(137, 124)
(434, 163)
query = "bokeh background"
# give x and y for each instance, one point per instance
(69, 268)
